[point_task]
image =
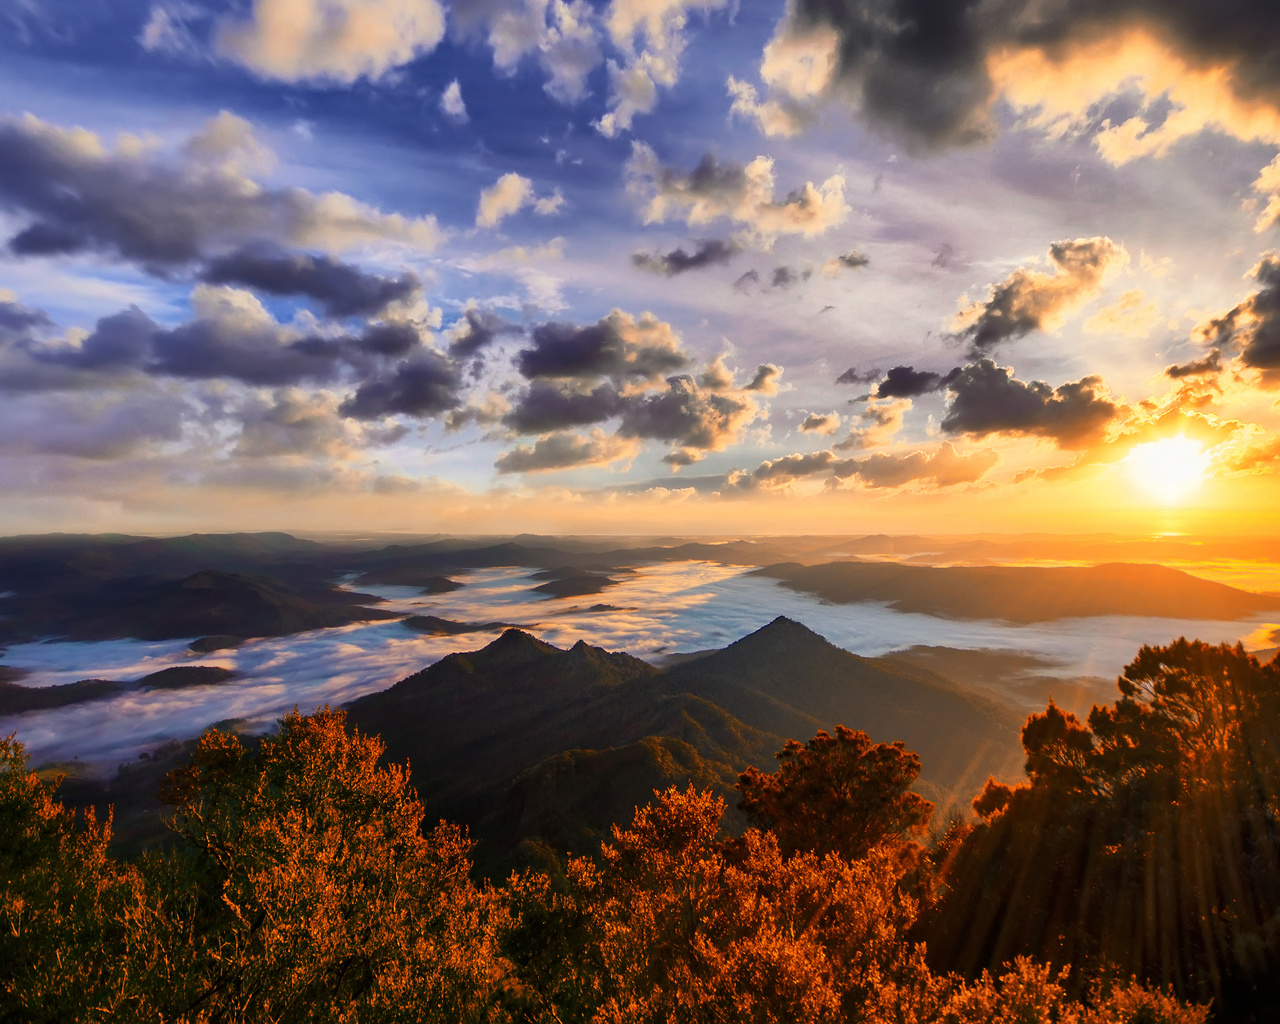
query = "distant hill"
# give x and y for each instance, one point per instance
(1024, 594)
(529, 744)
(203, 604)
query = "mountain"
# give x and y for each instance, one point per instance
(540, 748)
(1024, 594)
(522, 741)
(202, 604)
(788, 680)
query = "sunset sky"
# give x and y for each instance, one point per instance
(644, 265)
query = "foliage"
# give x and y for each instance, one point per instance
(60, 896)
(671, 926)
(1148, 840)
(307, 891)
(837, 794)
(303, 887)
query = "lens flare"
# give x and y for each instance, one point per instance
(1169, 470)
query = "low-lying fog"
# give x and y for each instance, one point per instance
(659, 609)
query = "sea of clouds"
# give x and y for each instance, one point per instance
(657, 610)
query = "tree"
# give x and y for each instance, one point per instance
(837, 794)
(670, 927)
(1147, 841)
(71, 919)
(304, 888)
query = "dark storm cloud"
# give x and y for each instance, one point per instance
(687, 415)
(17, 322)
(426, 385)
(853, 260)
(477, 330)
(546, 407)
(1031, 300)
(988, 399)
(907, 382)
(226, 342)
(709, 252)
(118, 342)
(618, 346)
(784, 277)
(389, 339)
(1209, 365)
(852, 376)
(341, 289)
(918, 68)
(215, 348)
(1254, 325)
(166, 212)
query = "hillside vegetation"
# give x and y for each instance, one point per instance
(1132, 878)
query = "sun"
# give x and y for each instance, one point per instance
(1168, 470)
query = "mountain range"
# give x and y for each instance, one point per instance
(540, 749)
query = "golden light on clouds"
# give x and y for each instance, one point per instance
(1169, 471)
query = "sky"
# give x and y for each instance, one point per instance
(644, 265)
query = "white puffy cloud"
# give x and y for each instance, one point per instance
(652, 36)
(333, 40)
(745, 195)
(559, 34)
(510, 194)
(452, 105)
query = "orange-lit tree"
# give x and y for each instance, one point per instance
(1146, 842)
(838, 794)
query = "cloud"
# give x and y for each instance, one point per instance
(944, 467)
(566, 451)
(331, 40)
(17, 322)
(633, 86)
(744, 195)
(619, 346)
(988, 399)
(744, 283)
(765, 380)
(1031, 300)
(292, 423)
(907, 382)
(689, 416)
(797, 70)
(476, 330)
(1252, 326)
(341, 289)
(852, 260)
(820, 423)
(509, 195)
(103, 426)
(852, 376)
(1129, 316)
(423, 386)
(930, 75)
(452, 105)
(560, 35)
(878, 424)
(164, 211)
(1210, 365)
(784, 277)
(709, 252)
(547, 407)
